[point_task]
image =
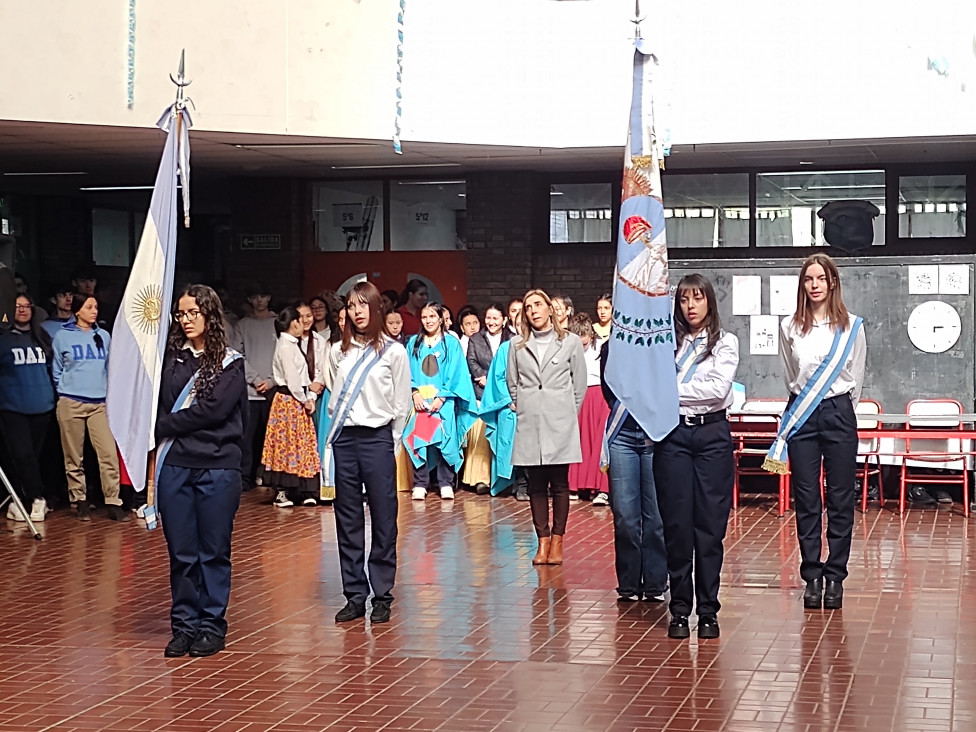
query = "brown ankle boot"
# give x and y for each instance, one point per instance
(542, 556)
(556, 550)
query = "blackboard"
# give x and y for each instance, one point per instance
(876, 288)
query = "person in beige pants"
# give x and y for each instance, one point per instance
(80, 368)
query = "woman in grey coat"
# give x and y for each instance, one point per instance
(547, 381)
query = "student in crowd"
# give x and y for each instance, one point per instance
(412, 301)
(255, 339)
(447, 316)
(291, 457)
(390, 299)
(321, 317)
(199, 429)
(604, 316)
(393, 326)
(547, 381)
(369, 378)
(513, 312)
(27, 402)
(61, 300)
(231, 318)
(586, 476)
(469, 323)
(823, 349)
(80, 368)
(84, 280)
(444, 404)
(315, 350)
(562, 307)
(693, 466)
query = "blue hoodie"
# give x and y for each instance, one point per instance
(25, 381)
(80, 367)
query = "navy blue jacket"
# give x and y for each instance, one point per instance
(209, 433)
(25, 372)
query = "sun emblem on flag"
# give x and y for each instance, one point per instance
(147, 307)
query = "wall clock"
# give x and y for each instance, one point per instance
(934, 327)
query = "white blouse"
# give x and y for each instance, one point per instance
(709, 388)
(802, 354)
(591, 356)
(321, 355)
(289, 368)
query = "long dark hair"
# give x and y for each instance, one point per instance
(39, 337)
(437, 308)
(214, 337)
(412, 286)
(78, 301)
(694, 283)
(285, 317)
(375, 332)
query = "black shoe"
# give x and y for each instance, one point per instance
(521, 496)
(352, 611)
(84, 510)
(813, 596)
(206, 644)
(707, 626)
(942, 497)
(381, 612)
(678, 627)
(178, 645)
(116, 513)
(919, 496)
(833, 598)
(874, 493)
(482, 489)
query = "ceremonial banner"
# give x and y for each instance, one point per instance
(640, 366)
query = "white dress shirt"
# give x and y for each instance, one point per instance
(493, 341)
(802, 354)
(591, 354)
(321, 356)
(710, 387)
(289, 368)
(385, 397)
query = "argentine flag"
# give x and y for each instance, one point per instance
(640, 365)
(139, 339)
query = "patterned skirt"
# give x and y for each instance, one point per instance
(291, 455)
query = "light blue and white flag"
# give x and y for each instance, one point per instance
(640, 366)
(139, 339)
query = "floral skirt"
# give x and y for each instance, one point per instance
(290, 446)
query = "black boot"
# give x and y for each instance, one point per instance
(919, 496)
(833, 598)
(813, 596)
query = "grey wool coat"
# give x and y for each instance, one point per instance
(547, 397)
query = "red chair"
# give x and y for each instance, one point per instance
(946, 452)
(752, 436)
(868, 448)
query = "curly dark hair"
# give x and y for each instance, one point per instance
(215, 339)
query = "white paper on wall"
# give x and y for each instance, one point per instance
(746, 295)
(782, 294)
(764, 335)
(954, 279)
(923, 279)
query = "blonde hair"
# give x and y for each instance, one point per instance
(836, 310)
(527, 329)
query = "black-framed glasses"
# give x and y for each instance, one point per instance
(189, 316)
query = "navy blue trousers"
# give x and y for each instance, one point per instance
(363, 456)
(693, 473)
(829, 434)
(197, 509)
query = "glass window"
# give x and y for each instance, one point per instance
(787, 204)
(580, 213)
(427, 214)
(707, 209)
(111, 237)
(931, 206)
(348, 216)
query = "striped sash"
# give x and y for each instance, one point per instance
(690, 360)
(183, 401)
(810, 396)
(618, 415)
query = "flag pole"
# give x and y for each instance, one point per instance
(178, 107)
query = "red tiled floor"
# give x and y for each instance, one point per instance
(481, 639)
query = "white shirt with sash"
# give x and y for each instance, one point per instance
(705, 386)
(385, 396)
(802, 354)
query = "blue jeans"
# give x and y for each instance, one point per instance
(638, 534)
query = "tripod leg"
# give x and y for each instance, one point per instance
(17, 502)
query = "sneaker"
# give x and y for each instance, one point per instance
(352, 611)
(708, 626)
(419, 494)
(14, 514)
(206, 644)
(310, 502)
(678, 627)
(282, 500)
(943, 497)
(179, 645)
(447, 493)
(116, 513)
(628, 598)
(84, 510)
(573, 496)
(141, 511)
(653, 596)
(39, 509)
(602, 499)
(381, 612)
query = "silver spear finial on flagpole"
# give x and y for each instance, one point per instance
(181, 83)
(637, 19)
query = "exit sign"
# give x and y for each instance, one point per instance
(260, 242)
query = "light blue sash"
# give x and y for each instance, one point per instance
(685, 369)
(184, 400)
(347, 397)
(810, 396)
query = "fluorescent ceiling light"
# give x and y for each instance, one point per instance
(429, 182)
(301, 145)
(395, 166)
(121, 188)
(74, 172)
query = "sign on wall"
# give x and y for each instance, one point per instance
(260, 242)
